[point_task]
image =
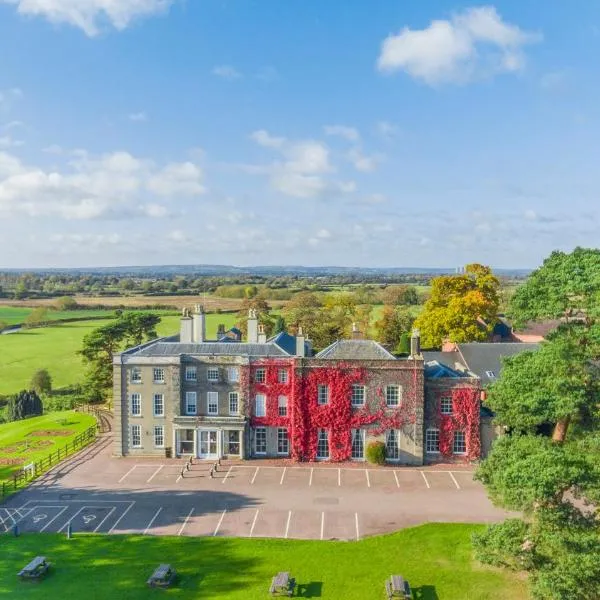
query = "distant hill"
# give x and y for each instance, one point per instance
(272, 271)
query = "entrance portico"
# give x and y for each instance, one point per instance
(209, 439)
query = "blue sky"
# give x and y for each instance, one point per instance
(388, 133)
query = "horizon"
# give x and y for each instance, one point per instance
(173, 132)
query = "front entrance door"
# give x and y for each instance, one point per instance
(208, 446)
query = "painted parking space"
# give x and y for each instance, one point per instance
(384, 481)
(355, 478)
(90, 519)
(465, 480)
(305, 525)
(272, 523)
(272, 476)
(323, 478)
(237, 523)
(167, 520)
(339, 525)
(238, 474)
(38, 519)
(297, 477)
(442, 480)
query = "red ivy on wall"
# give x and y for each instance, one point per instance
(464, 417)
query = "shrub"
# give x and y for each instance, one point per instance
(376, 453)
(66, 303)
(38, 316)
(41, 382)
(503, 545)
(22, 405)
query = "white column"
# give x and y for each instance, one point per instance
(195, 452)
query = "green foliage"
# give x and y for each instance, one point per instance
(459, 306)
(404, 344)
(3, 325)
(66, 303)
(38, 316)
(564, 284)
(395, 322)
(503, 545)
(375, 453)
(279, 325)
(22, 405)
(41, 382)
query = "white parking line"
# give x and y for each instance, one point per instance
(154, 474)
(368, 480)
(282, 476)
(152, 520)
(396, 478)
(254, 522)
(227, 474)
(322, 523)
(311, 475)
(62, 510)
(185, 522)
(219, 523)
(128, 472)
(110, 512)
(71, 519)
(356, 521)
(180, 476)
(454, 479)
(255, 474)
(287, 525)
(121, 517)
(339, 477)
(425, 478)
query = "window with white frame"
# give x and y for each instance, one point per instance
(446, 405)
(158, 375)
(282, 405)
(159, 436)
(191, 403)
(159, 405)
(432, 441)
(260, 440)
(135, 375)
(212, 374)
(212, 401)
(233, 374)
(260, 375)
(322, 443)
(323, 394)
(392, 395)
(136, 405)
(191, 374)
(459, 445)
(283, 442)
(358, 395)
(260, 405)
(234, 403)
(491, 374)
(136, 436)
(282, 376)
(392, 444)
(358, 444)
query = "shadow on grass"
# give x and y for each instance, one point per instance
(313, 589)
(425, 592)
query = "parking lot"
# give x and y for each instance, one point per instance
(96, 493)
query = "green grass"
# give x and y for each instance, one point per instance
(13, 433)
(55, 348)
(435, 558)
(17, 314)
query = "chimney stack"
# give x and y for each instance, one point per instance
(199, 324)
(186, 334)
(252, 327)
(300, 345)
(356, 334)
(415, 344)
(262, 336)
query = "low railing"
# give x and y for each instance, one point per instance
(30, 472)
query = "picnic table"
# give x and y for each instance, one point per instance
(397, 587)
(282, 585)
(163, 576)
(35, 569)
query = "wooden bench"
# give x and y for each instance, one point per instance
(282, 585)
(397, 587)
(35, 570)
(163, 576)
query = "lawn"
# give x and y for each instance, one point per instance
(435, 558)
(17, 443)
(17, 314)
(55, 348)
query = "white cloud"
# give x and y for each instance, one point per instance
(90, 15)
(386, 129)
(53, 149)
(349, 133)
(473, 43)
(530, 215)
(13, 125)
(115, 185)
(138, 117)
(553, 80)
(8, 142)
(226, 72)
(362, 162)
(324, 234)
(264, 138)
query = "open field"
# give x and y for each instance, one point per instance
(17, 314)
(55, 348)
(24, 441)
(436, 559)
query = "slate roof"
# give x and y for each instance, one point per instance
(445, 358)
(481, 358)
(435, 369)
(356, 350)
(288, 343)
(162, 348)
